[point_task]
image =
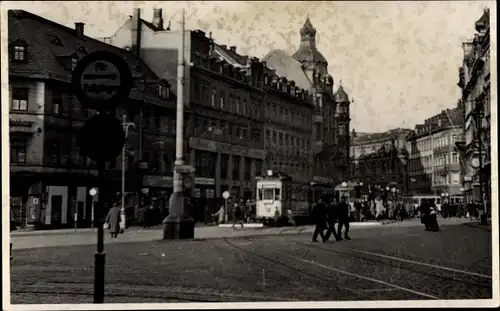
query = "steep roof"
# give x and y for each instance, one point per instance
(49, 42)
(341, 96)
(307, 51)
(287, 66)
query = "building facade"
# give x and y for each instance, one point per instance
(245, 116)
(49, 177)
(241, 117)
(434, 162)
(329, 142)
(380, 159)
(474, 81)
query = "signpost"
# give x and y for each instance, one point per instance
(101, 80)
(225, 195)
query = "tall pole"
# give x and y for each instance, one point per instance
(100, 256)
(178, 224)
(126, 127)
(122, 210)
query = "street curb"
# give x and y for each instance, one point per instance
(478, 226)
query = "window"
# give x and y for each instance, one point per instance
(57, 102)
(74, 61)
(18, 152)
(19, 99)
(19, 53)
(455, 178)
(163, 91)
(238, 103)
(222, 100)
(174, 126)
(454, 158)
(213, 102)
(55, 153)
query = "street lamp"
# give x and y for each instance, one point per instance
(269, 173)
(126, 126)
(92, 192)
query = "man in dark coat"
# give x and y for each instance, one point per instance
(319, 217)
(332, 219)
(343, 216)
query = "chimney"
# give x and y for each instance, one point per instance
(79, 27)
(158, 19)
(232, 49)
(223, 46)
(136, 33)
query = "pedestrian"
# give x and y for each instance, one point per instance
(343, 217)
(113, 221)
(220, 215)
(432, 220)
(237, 215)
(319, 217)
(332, 219)
(248, 211)
(141, 216)
(425, 209)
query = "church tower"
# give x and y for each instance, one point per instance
(308, 55)
(342, 120)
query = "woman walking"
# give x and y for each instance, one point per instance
(113, 220)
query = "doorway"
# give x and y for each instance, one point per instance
(56, 205)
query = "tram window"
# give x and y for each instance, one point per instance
(259, 194)
(268, 194)
(277, 194)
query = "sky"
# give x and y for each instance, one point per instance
(398, 60)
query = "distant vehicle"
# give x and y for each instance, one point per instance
(276, 204)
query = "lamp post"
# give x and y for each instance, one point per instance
(178, 224)
(126, 126)
(92, 193)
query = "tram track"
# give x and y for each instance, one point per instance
(316, 277)
(444, 276)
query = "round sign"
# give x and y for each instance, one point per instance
(101, 138)
(225, 195)
(93, 192)
(101, 80)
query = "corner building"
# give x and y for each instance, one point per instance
(49, 177)
(474, 81)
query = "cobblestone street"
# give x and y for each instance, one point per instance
(388, 263)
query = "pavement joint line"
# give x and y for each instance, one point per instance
(145, 288)
(363, 277)
(423, 264)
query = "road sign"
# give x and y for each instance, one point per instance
(101, 80)
(101, 138)
(225, 195)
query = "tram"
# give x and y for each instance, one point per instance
(276, 202)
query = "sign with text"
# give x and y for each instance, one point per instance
(101, 80)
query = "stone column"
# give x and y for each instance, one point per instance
(218, 193)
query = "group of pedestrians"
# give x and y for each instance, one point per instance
(241, 212)
(326, 214)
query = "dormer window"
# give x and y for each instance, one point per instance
(163, 91)
(19, 53)
(74, 61)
